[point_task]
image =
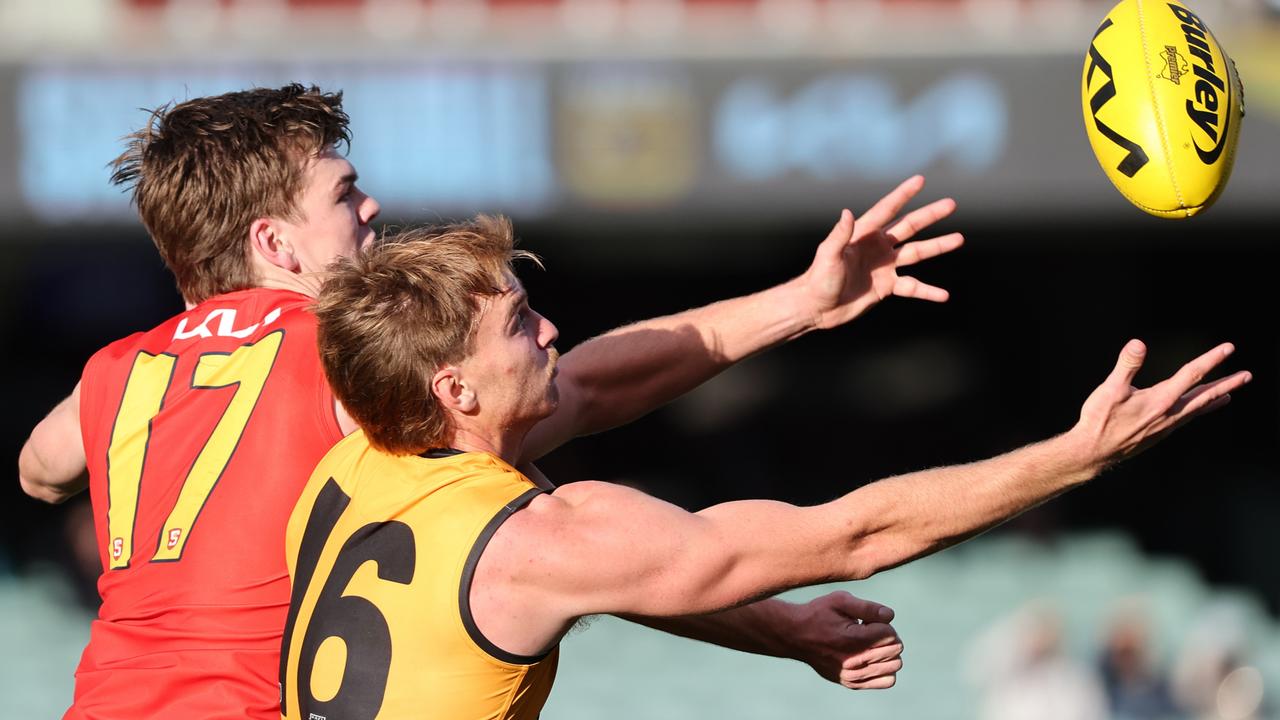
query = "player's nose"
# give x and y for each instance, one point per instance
(369, 209)
(547, 331)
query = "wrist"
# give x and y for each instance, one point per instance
(796, 298)
(1080, 453)
(789, 633)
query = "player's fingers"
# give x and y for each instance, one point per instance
(912, 253)
(921, 218)
(859, 639)
(1186, 417)
(909, 287)
(888, 207)
(1128, 364)
(834, 244)
(1199, 398)
(865, 675)
(1213, 405)
(856, 608)
(1191, 374)
(871, 656)
(880, 683)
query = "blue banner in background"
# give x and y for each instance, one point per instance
(427, 139)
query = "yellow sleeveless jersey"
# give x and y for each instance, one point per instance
(381, 551)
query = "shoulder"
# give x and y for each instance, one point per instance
(578, 507)
(294, 308)
(595, 493)
(124, 347)
(123, 352)
(233, 316)
(277, 309)
(346, 453)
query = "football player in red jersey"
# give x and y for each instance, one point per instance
(199, 434)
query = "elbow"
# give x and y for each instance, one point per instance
(34, 478)
(884, 549)
(50, 484)
(44, 493)
(869, 546)
(864, 558)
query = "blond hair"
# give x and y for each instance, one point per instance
(393, 315)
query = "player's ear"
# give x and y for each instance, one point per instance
(452, 391)
(268, 243)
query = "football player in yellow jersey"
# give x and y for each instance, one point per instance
(430, 574)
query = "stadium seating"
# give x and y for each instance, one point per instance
(611, 668)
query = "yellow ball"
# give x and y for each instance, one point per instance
(1163, 106)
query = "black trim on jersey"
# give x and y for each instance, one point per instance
(439, 453)
(468, 574)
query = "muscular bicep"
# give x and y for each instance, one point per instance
(596, 548)
(51, 466)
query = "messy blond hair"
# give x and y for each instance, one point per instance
(394, 314)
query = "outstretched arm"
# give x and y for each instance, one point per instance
(621, 375)
(51, 466)
(845, 639)
(596, 547)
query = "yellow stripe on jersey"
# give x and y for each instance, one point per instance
(381, 550)
(130, 435)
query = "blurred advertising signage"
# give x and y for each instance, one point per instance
(426, 139)
(845, 125)
(656, 134)
(628, 135)
(434, 139)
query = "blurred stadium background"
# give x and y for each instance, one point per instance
(665, 153)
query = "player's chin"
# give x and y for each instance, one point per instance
(553, 397)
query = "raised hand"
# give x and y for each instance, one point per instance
(856, 266)
(1119, 420)
(848, 640)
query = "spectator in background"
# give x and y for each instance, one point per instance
(1136, 690)
(1025, 674)
(1213, 678)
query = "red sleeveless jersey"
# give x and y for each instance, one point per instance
(199, 436)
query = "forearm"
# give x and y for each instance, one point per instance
(761, 628)
(740, 551)
(906, 517)
(632, 370)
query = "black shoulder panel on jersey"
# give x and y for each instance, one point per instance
(469, 571)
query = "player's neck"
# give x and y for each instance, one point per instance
(505, 443)
(275, 278)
